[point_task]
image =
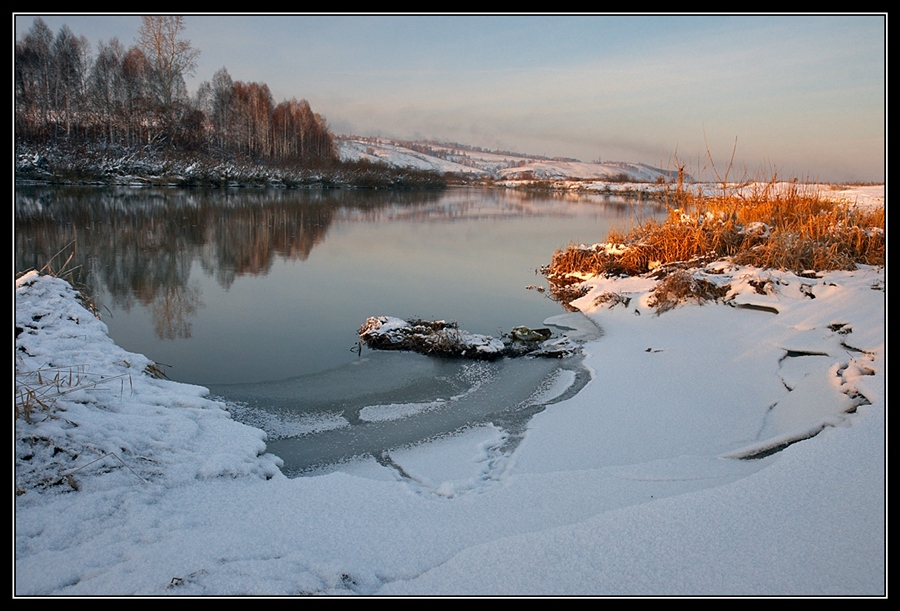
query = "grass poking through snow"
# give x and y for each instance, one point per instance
(771, 227)
(790, 229)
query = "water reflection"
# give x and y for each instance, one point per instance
(260, 284)
(257, 294)
(139, 244)
(173, 309)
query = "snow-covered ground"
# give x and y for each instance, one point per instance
(734, 449)
(478, 163)
(514, 169)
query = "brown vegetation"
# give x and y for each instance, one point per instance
(136, 97)
(681, 286)
(788, 230)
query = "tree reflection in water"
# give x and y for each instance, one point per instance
(241, 285)
(140, 243)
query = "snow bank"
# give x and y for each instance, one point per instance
(132, 485)
(105, 410)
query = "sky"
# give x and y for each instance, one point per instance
(634, 486)
(798, 96)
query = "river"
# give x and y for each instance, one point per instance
(258, 294)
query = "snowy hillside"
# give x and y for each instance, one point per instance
(478, 163)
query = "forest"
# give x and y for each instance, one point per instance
(135, 97)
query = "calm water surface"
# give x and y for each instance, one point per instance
(258, 295)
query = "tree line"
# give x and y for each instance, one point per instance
(136, 96)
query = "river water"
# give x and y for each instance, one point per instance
(258, 295)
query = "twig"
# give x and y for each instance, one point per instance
(114, 455)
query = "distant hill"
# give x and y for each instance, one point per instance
(475, 162)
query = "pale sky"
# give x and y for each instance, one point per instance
(801, 95)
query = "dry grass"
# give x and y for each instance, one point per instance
(681, 286)
(790, 230)
(37, 398)
(69, 272)
(38, 391)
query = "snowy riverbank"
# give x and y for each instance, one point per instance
(638, 485)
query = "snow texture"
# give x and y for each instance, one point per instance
(718, 450)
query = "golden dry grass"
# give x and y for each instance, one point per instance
(790, 229)
(39, 390)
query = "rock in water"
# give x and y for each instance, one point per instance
(438, 338)
(524, 334)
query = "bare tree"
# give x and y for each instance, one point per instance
(137, 96)
(135, 68)
(222, 105)
(107, 89)
(171, 57)
(253, 111)
(300, 134)
(71, 59)
(34, 67)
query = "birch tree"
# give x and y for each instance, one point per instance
(171, 57)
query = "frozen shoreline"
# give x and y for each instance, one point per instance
(132, 485)
(391, 399)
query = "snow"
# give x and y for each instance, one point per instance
(580, 177)
(478, 163)
(436, 337)
(640, 484)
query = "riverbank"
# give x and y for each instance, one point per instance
(721, 449)
(147, 166)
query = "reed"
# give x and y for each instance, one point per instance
(772, 226)
(39, 391)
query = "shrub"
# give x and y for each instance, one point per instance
(767, 227)
(681, 286)
(786, 230)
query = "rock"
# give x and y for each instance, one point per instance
(524, 334)
(437, 338)
(441, 338)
